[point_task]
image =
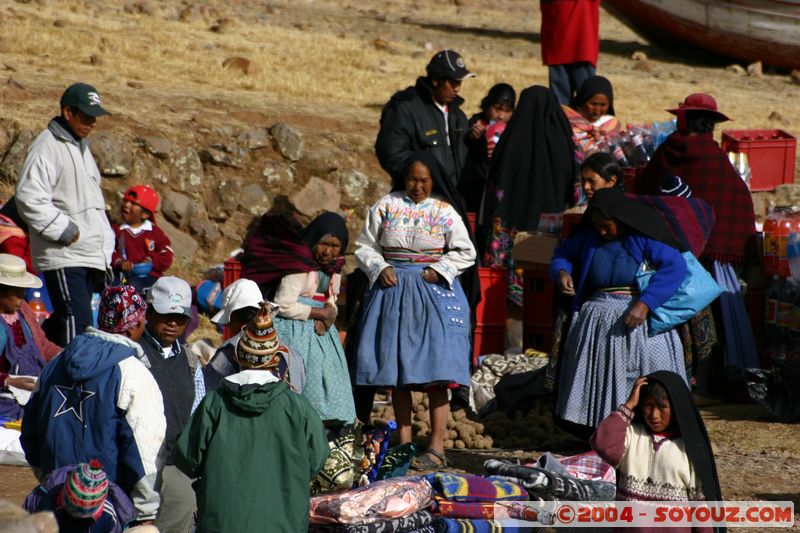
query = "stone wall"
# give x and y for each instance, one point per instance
(214, 187)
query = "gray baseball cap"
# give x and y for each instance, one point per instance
(171, 295)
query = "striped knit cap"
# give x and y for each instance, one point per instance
(258, 346)
(84, 491)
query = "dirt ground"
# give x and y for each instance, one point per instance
(757, 459)
(332, 64)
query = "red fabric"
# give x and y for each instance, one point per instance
(20, 247)
(702, 165)
(570, 31)
(153, 245)
(14, 241)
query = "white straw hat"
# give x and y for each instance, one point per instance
(14, 273)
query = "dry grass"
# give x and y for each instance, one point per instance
(318, 56)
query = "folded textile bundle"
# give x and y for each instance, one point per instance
(589, 466)
(469, 488)
(451, 509)
(463, 525)
(396, 525)
(492, 369)
(543, 483)
(382, 500)
(397, 460)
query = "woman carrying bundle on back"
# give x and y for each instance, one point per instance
(303, 268)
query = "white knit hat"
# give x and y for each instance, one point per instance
(238, 295)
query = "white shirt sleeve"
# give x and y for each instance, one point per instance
(460, 254)
(289, 290)
(369, 253)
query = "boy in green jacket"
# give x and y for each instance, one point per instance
(254, 444)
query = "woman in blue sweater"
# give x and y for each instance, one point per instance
(608, 345)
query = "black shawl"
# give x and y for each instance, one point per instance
(693, 431)
(444, 188)
(533, 166)
(613, 203)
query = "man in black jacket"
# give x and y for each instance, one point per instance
(427, 117)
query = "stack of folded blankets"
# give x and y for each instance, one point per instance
(454, 503)
(436, 503)
(584, 477)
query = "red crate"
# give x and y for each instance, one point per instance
(488, 339)
(571, 221)
(770, 153)
(629, 177)
(472, 219)
(538, 338)
(232, 272)
(494, 287)
(537, 299)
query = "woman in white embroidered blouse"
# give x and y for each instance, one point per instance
(415, 317)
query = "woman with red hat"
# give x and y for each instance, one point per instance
(142, 252)
(692, 154)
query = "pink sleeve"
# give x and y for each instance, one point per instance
(608, 440)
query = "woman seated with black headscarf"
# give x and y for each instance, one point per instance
(303, 268)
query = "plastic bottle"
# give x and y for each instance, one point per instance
(770, 253)
(95, 307)
(617, 152)
(637, 147)
(37, 306)
(647, 138)
(771, 321)
(785, 303)
(793, 253)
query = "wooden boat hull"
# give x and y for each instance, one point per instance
(747, 30)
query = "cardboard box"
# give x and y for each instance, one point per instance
(533, 248)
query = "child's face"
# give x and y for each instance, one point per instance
(10, 299)
(133, 214)
(657, 415)
(606, 227)
(499, 112)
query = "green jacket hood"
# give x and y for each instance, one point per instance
(252, 391)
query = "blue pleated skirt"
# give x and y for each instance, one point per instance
(415, 333)
(603, 358)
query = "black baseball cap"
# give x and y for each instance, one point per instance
(448, 64)
(83, 97)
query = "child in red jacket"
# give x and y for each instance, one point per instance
(142, 252)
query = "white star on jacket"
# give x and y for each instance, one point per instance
(74, 397)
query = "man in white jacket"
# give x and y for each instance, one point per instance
(58, 195)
